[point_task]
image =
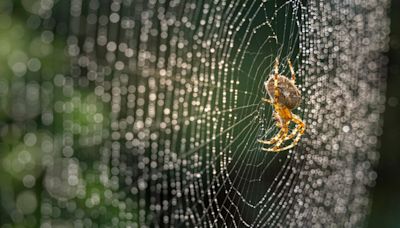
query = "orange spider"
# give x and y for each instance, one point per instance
(285, 97)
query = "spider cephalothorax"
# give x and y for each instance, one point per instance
(285, 96)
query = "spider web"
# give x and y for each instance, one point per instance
(175, 89)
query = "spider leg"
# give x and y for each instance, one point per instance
(285, 129)
(300, 123)
(293, 133)
(292, 70)
(276, 66)
(278, 139)
(294, 143)
(274, 139)
(300, 129)
(278, 136)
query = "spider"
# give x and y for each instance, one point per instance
(285, 96)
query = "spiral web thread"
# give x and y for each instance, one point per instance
(173, 90)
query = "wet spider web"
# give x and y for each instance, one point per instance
(173, 92)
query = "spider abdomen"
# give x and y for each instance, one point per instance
(289, 94)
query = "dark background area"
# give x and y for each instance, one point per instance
(386, 194)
